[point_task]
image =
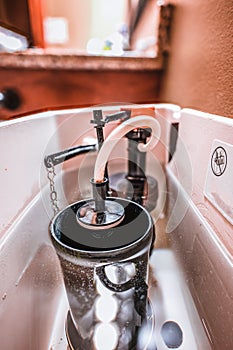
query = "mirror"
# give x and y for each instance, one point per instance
(102, 27)
(92, 27)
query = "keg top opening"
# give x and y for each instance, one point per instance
(135, 224)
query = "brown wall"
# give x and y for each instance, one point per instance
(199, 71)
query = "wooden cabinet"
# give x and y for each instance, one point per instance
(51, 81)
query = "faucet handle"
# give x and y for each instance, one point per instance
(122, 115)
(100, 121)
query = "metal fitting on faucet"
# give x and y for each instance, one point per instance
(99, 190)
(100, 212)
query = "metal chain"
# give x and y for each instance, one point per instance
(53, 193)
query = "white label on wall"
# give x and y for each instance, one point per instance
(219, 180)
(56, 30)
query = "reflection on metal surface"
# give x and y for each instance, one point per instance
(145, 337)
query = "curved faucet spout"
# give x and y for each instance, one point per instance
(142, 121)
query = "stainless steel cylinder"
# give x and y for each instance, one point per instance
(105, 275)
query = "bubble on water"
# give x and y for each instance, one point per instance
(106, 308)
(106, 336)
